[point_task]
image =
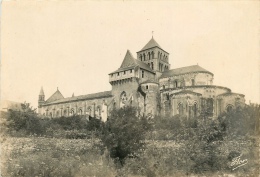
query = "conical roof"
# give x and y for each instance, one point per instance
(56, 96)
(41, 92)
(152, 43)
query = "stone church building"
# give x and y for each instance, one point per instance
(149, 84)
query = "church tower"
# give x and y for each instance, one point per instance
(41, 98)
(154, 56)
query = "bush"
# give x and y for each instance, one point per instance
(124, 133)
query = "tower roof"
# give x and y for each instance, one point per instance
(41, 92)
(152, 43)
(130, 62)
(56, 96)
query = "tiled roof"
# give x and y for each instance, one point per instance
(149, 81)
(56, 96)
(130, 62)
(187, 92)
(143, 65)
(184, 70)
(230, 93)
(83, 97)
(152, 43)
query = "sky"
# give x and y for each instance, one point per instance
(74, 45)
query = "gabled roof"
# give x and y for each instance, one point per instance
(184, 70)
(56, 96)
(187, 92)
(83, 97)
(130, 62)
(152, 43)
(41, 92)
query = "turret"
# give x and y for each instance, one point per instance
(41, 98)
(150, 90)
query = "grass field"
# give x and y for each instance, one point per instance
(52, 157)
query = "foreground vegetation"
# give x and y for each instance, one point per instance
(130, 145)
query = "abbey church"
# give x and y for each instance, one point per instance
(149, 83)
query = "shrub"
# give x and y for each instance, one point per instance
(124, 133)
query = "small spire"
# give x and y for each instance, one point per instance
(57, 88)
(73, 95)
(152, 34)
(41, 91)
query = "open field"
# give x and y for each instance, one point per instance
(36, 156)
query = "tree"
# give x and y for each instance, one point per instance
(124, 133)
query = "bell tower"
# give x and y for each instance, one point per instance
(41, 98)
(154, 56)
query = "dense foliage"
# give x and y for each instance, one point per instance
(124, 133)
(163, 146)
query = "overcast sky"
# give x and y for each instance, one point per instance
(73, 45)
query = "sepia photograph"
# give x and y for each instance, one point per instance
(129, 88)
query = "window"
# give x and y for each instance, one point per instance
(144, 56)
(141, 57)
(176, 84)
(149, 56)
(80, 111)
(192, 82)
(229, 108)
(152, 65)
(147, 87)
(152, 55)
(130, 71)
(124, 72)
(142, 74)
(158, 55)
(117, 74)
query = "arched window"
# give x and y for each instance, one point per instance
(195, 109)
(152, 55)
(149, 64)
(210, 106)
(72, 112)
(164, 56)
(99, 111)
(163, 87)
(149, 55)
(80, 111)
(144, 56)
(147, 87)
(229, 108)
(158, 55)
(161, 56)
(152, 65)
(89, 110)
(123, 99)
(141, 57)
(175, 84)
(192, 82)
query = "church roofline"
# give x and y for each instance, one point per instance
(91, 96)
(196, 86)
